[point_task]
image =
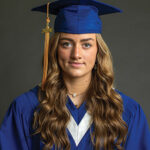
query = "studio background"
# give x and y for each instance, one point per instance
(21, 49)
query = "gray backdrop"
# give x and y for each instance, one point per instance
(21, 46)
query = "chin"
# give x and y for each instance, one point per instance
(76, 74)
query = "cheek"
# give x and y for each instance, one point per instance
(91, 58)
(63, 55)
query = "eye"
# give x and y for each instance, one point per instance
(66, 44)
(87, 45)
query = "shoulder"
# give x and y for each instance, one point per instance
(27, 101)
(131, 106)
(20, 111)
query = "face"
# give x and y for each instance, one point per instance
(77, 54)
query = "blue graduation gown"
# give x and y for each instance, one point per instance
(17, 125)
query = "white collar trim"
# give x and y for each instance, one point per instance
(78, 131)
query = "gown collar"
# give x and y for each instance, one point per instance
(77, 113)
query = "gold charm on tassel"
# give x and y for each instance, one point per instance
(47, 31)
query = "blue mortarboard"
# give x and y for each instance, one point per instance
(78, 16)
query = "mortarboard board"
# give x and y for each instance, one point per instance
(73, 16)
(78, 16)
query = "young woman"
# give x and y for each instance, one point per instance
(77, 106)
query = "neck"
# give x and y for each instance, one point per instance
(77, 85)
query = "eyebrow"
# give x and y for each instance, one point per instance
(83, 40)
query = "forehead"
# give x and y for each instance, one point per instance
(78, 36)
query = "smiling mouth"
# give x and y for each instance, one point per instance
(76, 64)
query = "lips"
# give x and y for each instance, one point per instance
(76, 64)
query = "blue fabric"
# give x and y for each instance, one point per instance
(16, 127)
(76, 113)
(78, 19)
(78, 16)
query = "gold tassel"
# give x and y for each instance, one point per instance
(47, 31)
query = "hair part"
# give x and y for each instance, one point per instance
(103, 103)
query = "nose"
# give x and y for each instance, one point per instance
(76, 52)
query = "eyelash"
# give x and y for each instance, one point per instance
(87, 44)
(65, 44)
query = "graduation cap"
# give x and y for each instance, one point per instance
(73, 16)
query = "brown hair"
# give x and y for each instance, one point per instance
(103, 103)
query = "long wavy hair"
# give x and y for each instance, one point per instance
(103, 103)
